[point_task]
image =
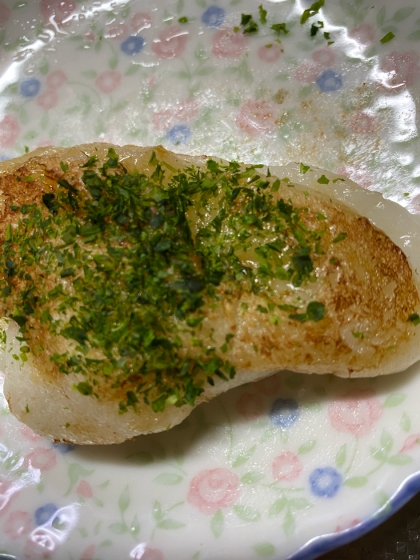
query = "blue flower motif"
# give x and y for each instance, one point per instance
(213, 16)
(45, 513)
(132, 45)
(284, 412)
(179, 134)
(325, 482)
(63, 447)
(329, 81)
(30, 88)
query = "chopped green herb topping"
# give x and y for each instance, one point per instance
(304, 168)
(388, 37)
(414, 318)
(135, 258)
(357, 334)
(323, 180)
(248, 24)
(263, 14)
(315, 311)
(315, 27)
(311, 11)
(280, 28)
(340, 237)
(183, 19)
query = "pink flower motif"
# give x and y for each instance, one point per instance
(117, 31)
(41, 458)
(324, 57)
(40, 544)
(48, 99)
(410, 442)
(17, 524)
(140, 21)
(402, 70)
(29, 434)
(84, 489)
(8, 490)
(108, 81)
(257, 116)
(361, 123)
(348, 525)
(57, 10)
(355, 412)
(213, 489)
(9, 131)
(287, 466)
(181, 112)
(88, 553)
(269, 53)
(363, 34)
(308, 72)
(250, 406)
(171, 42)
(268, 386)
(152, 554)
(56, 79)
(4, 13)
(143, 552)
(228, 44)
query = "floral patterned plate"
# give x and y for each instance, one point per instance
(288, 467)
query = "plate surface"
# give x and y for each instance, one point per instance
(293, 465)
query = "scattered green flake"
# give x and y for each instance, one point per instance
(388, 37)
(315, 27)
(263, 14)
(311, 11)
(414, 318)
(315, 311)
(323, 180)
(340, 237)
(27, 409)
(132, 231)
(280, 28)
(357, 334)
(304, 168)
(183, 19)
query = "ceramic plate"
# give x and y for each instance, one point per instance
(293, 465)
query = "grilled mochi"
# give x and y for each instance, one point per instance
(137, 283)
